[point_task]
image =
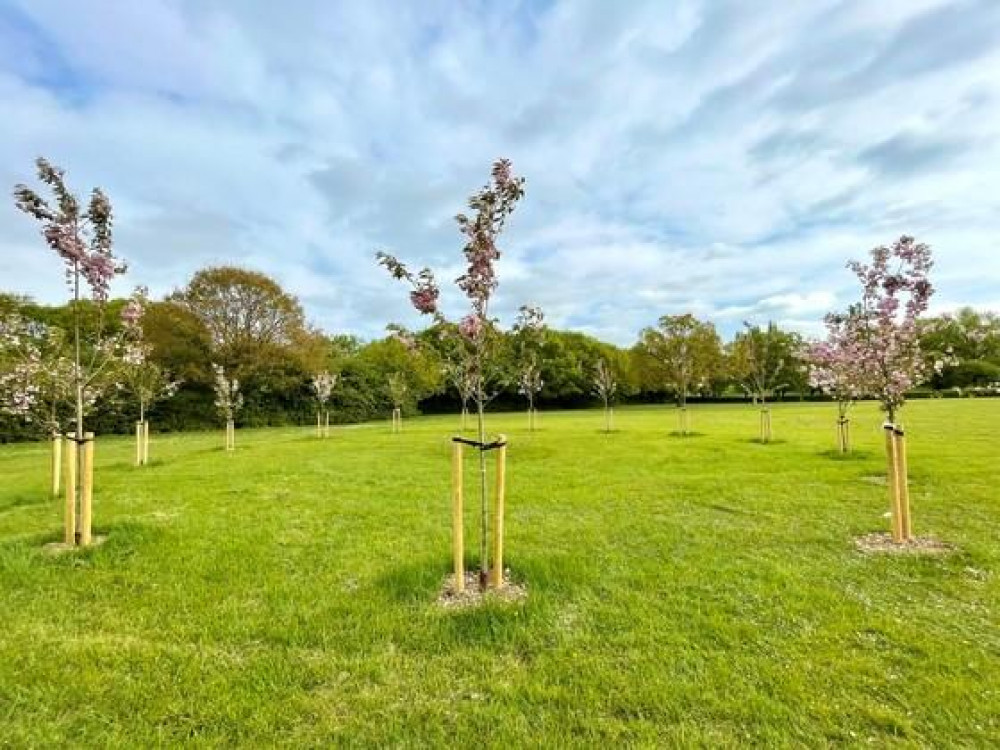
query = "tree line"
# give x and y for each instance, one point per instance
(258, 332)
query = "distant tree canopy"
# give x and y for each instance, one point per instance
(245, 321)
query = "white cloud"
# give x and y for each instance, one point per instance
(711, 156)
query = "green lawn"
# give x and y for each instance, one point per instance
(701, 591)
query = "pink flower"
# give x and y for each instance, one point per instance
(470, 326)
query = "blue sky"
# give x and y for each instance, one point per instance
(713, 156)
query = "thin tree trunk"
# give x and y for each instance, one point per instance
(484, 510)
(78, 387)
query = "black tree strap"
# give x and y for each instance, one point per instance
(481, 446)
(79, 441)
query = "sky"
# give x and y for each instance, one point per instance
(719, 157)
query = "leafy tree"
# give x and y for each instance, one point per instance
(686, 353)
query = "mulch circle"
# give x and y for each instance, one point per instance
(881, 543)
(59, 548)
(508, 593)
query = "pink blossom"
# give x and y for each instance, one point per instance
(470, 326)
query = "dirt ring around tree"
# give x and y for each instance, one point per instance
(881, 543)
(509, 592)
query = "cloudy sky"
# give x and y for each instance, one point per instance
(715, 156)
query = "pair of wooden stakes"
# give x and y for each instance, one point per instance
(495, 579)
(899, 486)
(73, 460)
(323, 424)
(142, 443)
(765, 425)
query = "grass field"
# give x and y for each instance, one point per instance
(698, 591)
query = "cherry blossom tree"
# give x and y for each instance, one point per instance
(82, 238)
(606, 388)
(228, 401)
(490, 208)
(36, 373)
(895, 292)
(529, 337)
(836, 368)
(883, 329)
(322, 385)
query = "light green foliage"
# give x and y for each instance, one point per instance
(700, 592)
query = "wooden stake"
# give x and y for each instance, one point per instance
(57, 443)
(69, 527)
(765, 425)
(891, 475)
(496, 577)
(319, 430)
(847, 436)
(145, 442)
(326, 426)
(138, 443)
(903, 485)
(230, 436)
(457, 530)
(87, 495)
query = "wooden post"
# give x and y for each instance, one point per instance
(326, 425)
(145, 442)
(847, 435)
(230, 435)
(57, 443)
(138, 443)
(496, 578)
(319, 430)
(457, 528)
(87, 493)
(903, 484)
(69, 451)
(891, 475)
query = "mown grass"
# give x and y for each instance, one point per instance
(698, 591)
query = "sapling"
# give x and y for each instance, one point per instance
(82, 238)
(758, 359)
(836, 368)
(687, 353)
(490, 209)
(606, 387)
(882, 327)
(322, 385)
(36, 381)
(228, 402)
(529, 337)
(398, 391)
(142, 376)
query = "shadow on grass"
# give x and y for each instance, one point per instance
(684, 435)
(758, 441)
